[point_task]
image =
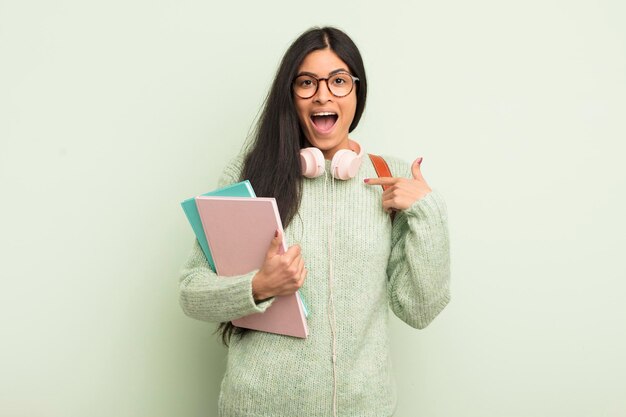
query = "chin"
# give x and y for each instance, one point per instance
(325, 143)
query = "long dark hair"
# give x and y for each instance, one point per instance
(272, 163)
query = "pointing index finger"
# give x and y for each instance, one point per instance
(380, 181)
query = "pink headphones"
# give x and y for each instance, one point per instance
(345, 163)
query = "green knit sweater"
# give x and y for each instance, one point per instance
(376, 266)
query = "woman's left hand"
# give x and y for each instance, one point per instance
(401, 193)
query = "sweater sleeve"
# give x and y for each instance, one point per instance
(419, 264)
(203, 294)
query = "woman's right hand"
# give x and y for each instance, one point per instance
(281, 274)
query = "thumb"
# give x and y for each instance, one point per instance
(275, 244)
(416, 168)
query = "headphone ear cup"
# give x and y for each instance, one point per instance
(345, 164)
(312, 162)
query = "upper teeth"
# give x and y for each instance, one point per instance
(324, 113)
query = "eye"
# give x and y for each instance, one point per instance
(340, 80)
(305, 82)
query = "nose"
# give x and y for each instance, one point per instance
(323, 94)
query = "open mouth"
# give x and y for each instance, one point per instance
(324, 121)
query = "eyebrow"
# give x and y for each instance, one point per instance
(330, 74)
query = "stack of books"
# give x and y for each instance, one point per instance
(234, 229)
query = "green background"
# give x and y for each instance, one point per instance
(111, 113)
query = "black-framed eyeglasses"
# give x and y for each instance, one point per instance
(339, 84)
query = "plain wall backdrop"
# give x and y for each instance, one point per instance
(111, 113)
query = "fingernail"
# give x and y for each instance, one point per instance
(419, 160)
(366, 180)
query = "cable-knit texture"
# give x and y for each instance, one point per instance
(375, 265)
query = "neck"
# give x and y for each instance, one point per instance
(349, 144)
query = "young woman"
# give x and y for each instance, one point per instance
(351, 261)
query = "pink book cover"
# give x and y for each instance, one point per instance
(239, 231)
